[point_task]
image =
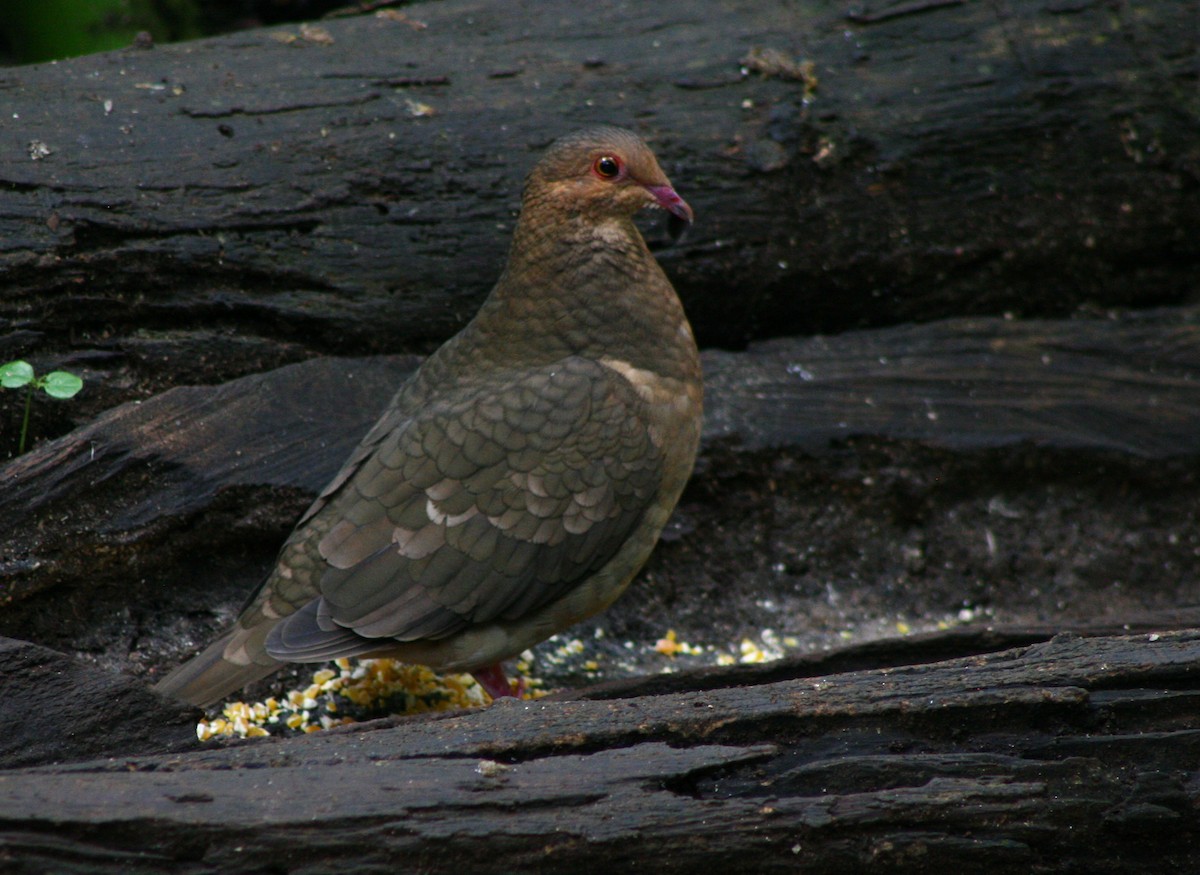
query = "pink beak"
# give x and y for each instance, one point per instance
(671, 202)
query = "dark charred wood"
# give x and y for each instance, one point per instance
(221, 207)
(56, 709)
(132, 538)
(1039, 758)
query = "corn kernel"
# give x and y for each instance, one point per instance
(667, 645)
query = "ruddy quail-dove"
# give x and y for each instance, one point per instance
(520, 478)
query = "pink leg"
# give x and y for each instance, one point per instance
(494, 681)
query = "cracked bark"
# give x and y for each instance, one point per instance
(996, 763)
(266, 198)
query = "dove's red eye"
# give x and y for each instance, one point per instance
(607, 167)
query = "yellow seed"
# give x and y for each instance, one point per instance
(667, 645)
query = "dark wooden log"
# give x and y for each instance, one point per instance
(1121, 383)
(884, 653)
(1015, 470)
(54, 709)
(205, 210)
(1072, 755)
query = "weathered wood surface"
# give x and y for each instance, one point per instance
(1123, 383)
(1071, 755)
(137, 533)
(59, 710)
(893, 652)
(221, 207)
(55, 709)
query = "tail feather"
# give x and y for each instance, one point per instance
(209, 677)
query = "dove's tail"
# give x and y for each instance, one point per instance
(209, 677)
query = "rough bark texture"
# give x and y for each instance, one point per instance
(1018, 178)
(1015, 469)
(1070, 755)
(216, 208)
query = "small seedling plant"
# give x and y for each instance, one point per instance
(56, 384)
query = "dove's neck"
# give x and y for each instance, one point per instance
(577, 286)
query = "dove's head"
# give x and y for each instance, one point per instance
(604, 173)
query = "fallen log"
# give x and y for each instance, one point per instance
(846, 484)
(57, 709)
(1066, 755)
(206, 210)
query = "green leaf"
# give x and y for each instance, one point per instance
(61, 384)
(16, 374)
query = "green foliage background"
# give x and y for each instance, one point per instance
(45, 30)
